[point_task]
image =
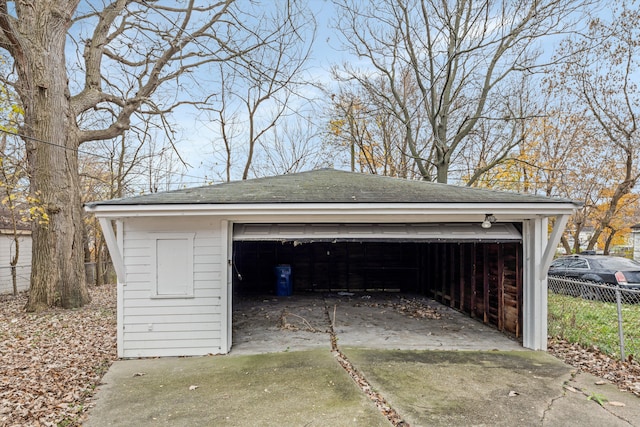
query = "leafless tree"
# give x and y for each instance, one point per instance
(375, 139)
(136, 59)
(601, 75)
(262, 88)
(133, 163)
(455, 54)
(15, 205)
(292, 147)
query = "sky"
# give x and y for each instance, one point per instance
(196, 141)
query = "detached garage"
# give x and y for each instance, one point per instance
(180, 256)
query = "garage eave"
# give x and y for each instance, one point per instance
(452, 212)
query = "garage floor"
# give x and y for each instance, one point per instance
(264, 324)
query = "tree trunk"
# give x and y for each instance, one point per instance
(14, 280)
(99, 270)
(607, 243)
(565, 245)
(57, 274)
(442, 162)
(442, 172)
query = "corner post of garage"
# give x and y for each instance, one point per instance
(534, 334)
(226, 281)
(115, 243)
(539, 248)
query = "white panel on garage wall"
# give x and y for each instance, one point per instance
(173, 256)
(170, 324)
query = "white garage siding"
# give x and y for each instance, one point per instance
(167, 325)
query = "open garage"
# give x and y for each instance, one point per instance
(182, 256)
(475, 270)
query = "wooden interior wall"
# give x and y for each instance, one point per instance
(481, 279)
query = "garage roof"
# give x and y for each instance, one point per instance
(329, 186)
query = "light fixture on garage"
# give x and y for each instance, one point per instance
(489, 219)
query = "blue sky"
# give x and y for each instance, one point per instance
(196, 144)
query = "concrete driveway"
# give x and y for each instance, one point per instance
(346, 361)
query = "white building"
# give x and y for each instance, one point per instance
(635, 241)
(180, 255)
(7, 252)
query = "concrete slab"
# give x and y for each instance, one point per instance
(295, 389)
(426, 388)
(470, 388)
(400, 321)
(263, 324)
(373, 320)
(281, 371)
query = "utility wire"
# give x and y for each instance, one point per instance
(200, 179)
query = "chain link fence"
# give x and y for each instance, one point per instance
(595, 314)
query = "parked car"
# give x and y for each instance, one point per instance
(612, 270)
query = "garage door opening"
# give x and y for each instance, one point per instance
(480, 275)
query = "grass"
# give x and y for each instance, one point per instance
(594, 323)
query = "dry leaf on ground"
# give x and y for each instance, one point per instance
(51, 362)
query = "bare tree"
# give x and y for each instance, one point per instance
(14, 201)
(501, 136)
(375, 139)
(13, 182)
(136, 59)
(601, 76)
(292, 147)
(455, 54)
(262, 88)
(133, 163)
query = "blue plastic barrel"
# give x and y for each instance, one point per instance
(283, 280)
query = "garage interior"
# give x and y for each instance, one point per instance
(475, 271)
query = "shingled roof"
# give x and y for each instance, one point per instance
(329, 186)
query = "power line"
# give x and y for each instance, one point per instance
(53, 144)
(92, 154)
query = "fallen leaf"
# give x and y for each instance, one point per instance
(601, 382)
(57, 359)
(624, 374)
(619, 404)
(571, 389)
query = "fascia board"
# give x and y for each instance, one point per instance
(506, 210)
